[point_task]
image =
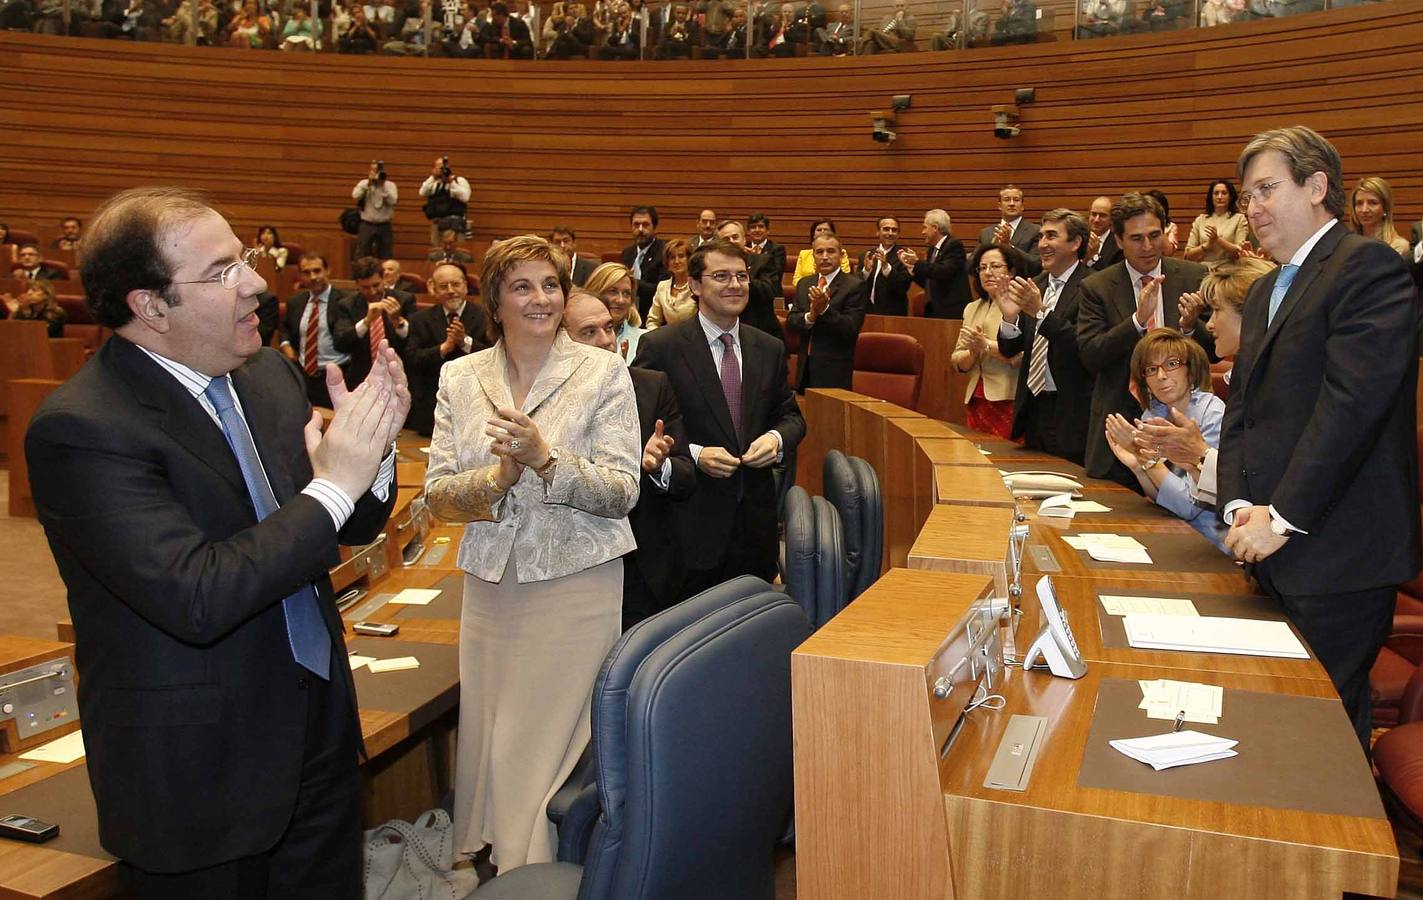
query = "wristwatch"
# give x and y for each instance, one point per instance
(548, 463)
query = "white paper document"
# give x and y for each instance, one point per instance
(416, 596)
(1058, 506)
(1193, 702)
(1212, 634)
(1180, 748)
(1121, 605)
(393, 665)
(62, 750)
(1089, 506)
(1106, 547)
(358, 660)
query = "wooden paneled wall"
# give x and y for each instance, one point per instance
(283, 138)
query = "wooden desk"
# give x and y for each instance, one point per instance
(968, 539)
(1182, 557)
(971, 486)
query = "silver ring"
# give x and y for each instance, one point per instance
(514, 444)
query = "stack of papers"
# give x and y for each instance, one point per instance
(1193, 702)
(1212, 634)
(393, 665)
(1062, 506)
(416, 596)
(1109, 547)
(61, 750)
(1122, 605)
(1181, 748)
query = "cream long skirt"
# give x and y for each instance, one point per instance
(528, 656)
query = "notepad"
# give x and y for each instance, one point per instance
(393, 665)
(1212, 634)
(357, 660)
(63, 750)
(1121, 605)
(1105, 547)
(1181, 748)
(1058, 506)
(416, 596)
(1085, 506)
(1166, 699)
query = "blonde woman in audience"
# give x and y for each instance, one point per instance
(37, 302)
(1217, 233)
(1373, 213)
(536, 445)
(992, 378)
(805, 262)
(673, 301)
(614, 285)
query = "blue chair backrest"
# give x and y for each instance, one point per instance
(871, 527)
(842, 489)
(831, 588)
(798, 572)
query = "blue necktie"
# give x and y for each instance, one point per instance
(306, 632)
(1282, 287)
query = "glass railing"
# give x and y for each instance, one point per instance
(630, 29)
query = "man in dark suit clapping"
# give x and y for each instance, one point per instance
(887, 277)
(829, 309)
(943, 272)
(319, 328)
(453, 328)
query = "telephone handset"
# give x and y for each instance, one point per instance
(1055, 642)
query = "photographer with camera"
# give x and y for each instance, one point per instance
(446, 199)
(375, 196)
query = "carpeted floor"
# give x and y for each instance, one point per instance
(32, 598)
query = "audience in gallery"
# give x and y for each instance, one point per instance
(1372, 213)
(1218, 233)
(615, 286)
(805, 260)
(69, 234)
(269, 241)
(673, 302)
(992, 377)
(36, 301)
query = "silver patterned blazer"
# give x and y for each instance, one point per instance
(583, 404)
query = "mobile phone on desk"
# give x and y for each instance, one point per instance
(375, 629)
(25, 828)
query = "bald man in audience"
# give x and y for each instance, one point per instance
(652, 574)
(706, 230)
(447, 331)
(1102, 249)
(394, 279)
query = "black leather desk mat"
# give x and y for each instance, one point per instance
(1233, 606)
(1181, 552)
(1290, 752)
(66, 800)
(423, 694)
(445, 606)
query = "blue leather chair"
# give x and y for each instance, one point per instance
(852, 488)
(814, 566)
(692, 743)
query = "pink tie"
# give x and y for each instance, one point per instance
(731, 381)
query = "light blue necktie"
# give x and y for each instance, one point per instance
(1282, 287)
(306, 632)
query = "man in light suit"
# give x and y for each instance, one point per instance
(1013, 228)
(194, 507)
(1117, 306)
(1102, 249)
(718, 369)
(943, 272)
(580, 267)
(336, 338)
(888, 278)
(653, 573)
(644, 255)
(1054, 394)
(829, 310)
(447, 331)
(1317, 471)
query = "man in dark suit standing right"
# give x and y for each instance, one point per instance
(1054, 396)
(321, 332)
(452, 328)
(740, 415)
(829, 310)
(1116, 307)
(1317, 471)
(943, 272)
(887, 277)
(643, 256)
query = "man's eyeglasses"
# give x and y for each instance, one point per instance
(1169, 364)
(1262, 192)
(231, 274)
(724, 277)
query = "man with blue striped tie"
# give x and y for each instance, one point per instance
(194, 506)
(1317, 469)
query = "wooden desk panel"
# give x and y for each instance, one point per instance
(825, 411)
(1193, 560)
(1092, 843)
(968, 539)
(1127, 510)
(971, 486)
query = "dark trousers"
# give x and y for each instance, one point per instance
(319, 857)
(1040, 431)
(1345, 631)
(374, 239)
(639, 599)
(741, 556)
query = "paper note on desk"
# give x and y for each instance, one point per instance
(1089, 506)
(1075, 542)
(1212, 634)
(357, 660)
(1110, 547)
(1119, 605)
(416, 596)
(1058, 506)
(1194, 702)
(1181, 748)
(393, 665)
(64, 750)
(425, 450)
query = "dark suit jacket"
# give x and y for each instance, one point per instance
(340, 318)
(827, 357)
(1073, 382)
(1025, 238)
(705, 522)
(658, 556)
(360, 365)
(42, 271)
(267, 316)
(887, 295)
(1321, 418)
(194, 722)
(523, 48)
(423, 360)
(945, 280)
(1106, 336)
(1111, 253)
(583, 267)
(774, 255)
(765, 288)
(652, 272)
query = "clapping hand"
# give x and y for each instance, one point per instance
(454, 338)
(1121, 438)
(1211, 236)
(976, 339)
(1146, 300)
(517, 436)
(907, 257)
(1177, 439)
(659, 445)
(819, 299)
(1022, 294)
(1002, 233)
(1189, 307)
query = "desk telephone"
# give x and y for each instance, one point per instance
(1054, 642)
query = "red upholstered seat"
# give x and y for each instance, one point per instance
(1398, 754)
(76, 309)
(1404, 648)
(414, 282)
(1219, 386)
(890, 367)
(294, 252)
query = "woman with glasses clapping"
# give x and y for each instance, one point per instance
(992, 377)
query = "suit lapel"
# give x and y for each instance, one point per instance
(489, 369)
(256, 410)
(1173, 286)
(1304, 279)
(698, 358)
(753, 368)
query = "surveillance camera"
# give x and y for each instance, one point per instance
(1005, 122)
(1005, 132)
(884, 135)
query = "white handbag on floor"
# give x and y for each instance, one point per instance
(406, 861)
